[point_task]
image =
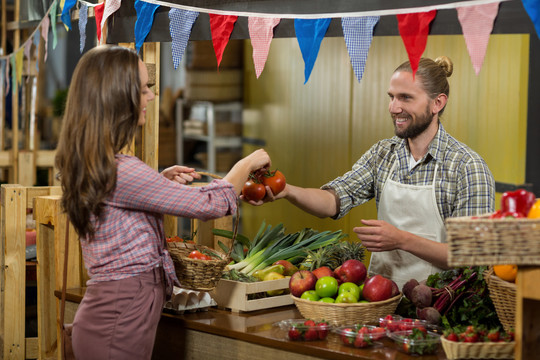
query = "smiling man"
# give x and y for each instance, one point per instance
(418, 178)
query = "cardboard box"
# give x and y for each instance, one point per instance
(233, 295)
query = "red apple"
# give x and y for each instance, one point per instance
(302, 280)
(395, 289)
(351, 271)
(322, 272)
(290, 268)
(377, 288)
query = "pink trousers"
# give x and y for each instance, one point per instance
(118, 319)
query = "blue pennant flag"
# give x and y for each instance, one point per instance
(52, 15)
(66, 15)
(533, 9)
(309, 33)
(358, 34)
(83, 20)
(181, 22)
(145, 20)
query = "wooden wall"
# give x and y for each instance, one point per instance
(315, 132)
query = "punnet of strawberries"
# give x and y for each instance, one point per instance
(478, 334)
(305, 330)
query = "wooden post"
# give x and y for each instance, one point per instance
(527, 313)
(13, 269)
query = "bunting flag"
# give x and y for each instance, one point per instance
(144, 22)
(45, 35)
(19, 57)
(98, 13)
(6, 77)
(309, 33)
(180, 24)
(66, 14)
(261, 33)
(35, 40)
(221, 27)
(477, 24)
(358, 35)
(83, 20)
(532, 7)
(27, 47)
(110, 8)
(414, 30)
(52, 14)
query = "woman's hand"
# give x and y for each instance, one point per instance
(181, 174)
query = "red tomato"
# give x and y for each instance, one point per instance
(253, 191)
(196, 254)
(276, 181)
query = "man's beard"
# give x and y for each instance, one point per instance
(415, 128)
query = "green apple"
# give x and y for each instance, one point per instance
(327, 300)
(310, 295)
(346, 297)
(327, 286)
(361, 287)
(351, 288)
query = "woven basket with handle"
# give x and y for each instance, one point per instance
(198, 274)
(503, 295)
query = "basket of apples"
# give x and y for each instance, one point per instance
(344, 295)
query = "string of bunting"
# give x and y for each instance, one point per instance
(475, 16)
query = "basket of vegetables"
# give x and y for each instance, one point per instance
(510, 235)
(197, 267)
(503, 295)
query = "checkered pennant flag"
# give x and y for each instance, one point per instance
(180, 24)
(358, 34)
(83, 20)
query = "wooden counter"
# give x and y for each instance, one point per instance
(219, 334)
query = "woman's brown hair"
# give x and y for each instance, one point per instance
(100, 119)
(433, 75)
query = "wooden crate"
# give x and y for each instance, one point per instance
(233, 295)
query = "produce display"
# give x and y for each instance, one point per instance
(474, 334)
(454, 297)
(515, 204)
(393, 323)
(360, 336)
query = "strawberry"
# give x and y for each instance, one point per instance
(322, 330)
(471, 338)
(493, 335)
(311, 334)
(309, 323)
(378, 333)
(347, 336)
(362, 340)
(294, 333)
(452, 337)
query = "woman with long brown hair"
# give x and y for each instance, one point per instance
(116, 203)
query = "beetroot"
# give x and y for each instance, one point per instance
(408, 287)
(421, 296)
(430, 314)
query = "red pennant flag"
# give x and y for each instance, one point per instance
(98, 13)
(414, 30)
(221, 27)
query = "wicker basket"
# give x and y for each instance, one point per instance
(347, 313)
(503, 295)
(485, 350)
(198, 274)
(484, 241)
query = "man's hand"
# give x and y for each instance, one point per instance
(269, 197)
(378, 235)
(180, 174)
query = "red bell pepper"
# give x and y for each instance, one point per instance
(519, 201)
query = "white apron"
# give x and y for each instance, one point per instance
(412, 208)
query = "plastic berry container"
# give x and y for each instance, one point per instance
(304, 329)
(411, 343)
(399, 323)
(359, 336)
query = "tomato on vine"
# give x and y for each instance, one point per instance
(253, 190)
(275, 181)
